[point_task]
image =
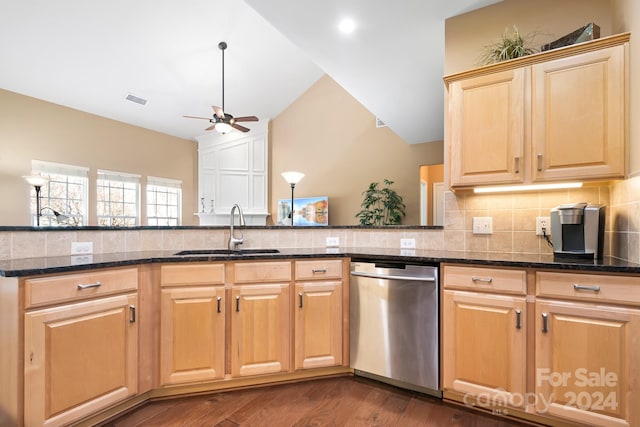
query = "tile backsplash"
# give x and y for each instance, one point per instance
(514, 219)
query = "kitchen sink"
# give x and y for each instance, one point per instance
(227, 252)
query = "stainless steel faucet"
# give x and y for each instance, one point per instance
(234, 241)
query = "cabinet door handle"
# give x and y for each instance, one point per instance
(481, 279)
(89, 285)
(300, 299)
(319, 270)
(132, 313)
(516, 164)
(539, 162)
(219, 308)
(237, 304)
(577, 287)
(518, 319)
(545, 325)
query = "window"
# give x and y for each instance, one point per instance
(118, 199)
(163, 201)
(65, 193)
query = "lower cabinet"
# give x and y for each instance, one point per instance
(192, 323)
(484, 343)
(564, 353)
(587, 358)
(206, 325)
(318, 324)
(484, 346)
(260, 329)
(192, 344)
(79, 358)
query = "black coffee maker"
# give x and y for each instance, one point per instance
(578, 230)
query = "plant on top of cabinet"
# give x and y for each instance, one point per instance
(511, 46)
(381, 206)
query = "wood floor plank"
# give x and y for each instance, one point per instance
(343, 401)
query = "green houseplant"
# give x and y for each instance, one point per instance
(381, 205)
(512, 45)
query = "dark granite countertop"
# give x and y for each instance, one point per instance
(49, 265)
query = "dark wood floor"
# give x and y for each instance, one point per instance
(344, 401)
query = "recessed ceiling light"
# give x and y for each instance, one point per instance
(347, 26)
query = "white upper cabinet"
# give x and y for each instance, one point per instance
(233, 168)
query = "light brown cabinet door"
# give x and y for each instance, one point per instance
(484, 346)
(79, 358)
(318, 324)
(578, 116)
(587, 362)
(192, 330)
(487, 128)
(260, 329)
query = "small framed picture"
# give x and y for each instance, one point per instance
(307, 211)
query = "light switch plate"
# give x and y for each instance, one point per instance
(407, 243)
(333, 241)
(482, 225)
(81, 248)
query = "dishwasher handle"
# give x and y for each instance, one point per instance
(392, 277)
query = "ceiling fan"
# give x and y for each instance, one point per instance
(221, 121)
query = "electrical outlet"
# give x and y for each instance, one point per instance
(482, 225)
(543, 222)
(333, 241)
(408, 243)
(81, 248)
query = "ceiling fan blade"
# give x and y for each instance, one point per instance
(212, 127)
(218, 111)
(246, 119)
(195, 117)
(240, 128)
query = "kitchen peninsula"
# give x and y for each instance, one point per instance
(143, 303)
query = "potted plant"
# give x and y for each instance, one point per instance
(511, 46)
(381, 205)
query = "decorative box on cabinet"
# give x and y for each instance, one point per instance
(573, 100)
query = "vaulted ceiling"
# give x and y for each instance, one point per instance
(89, 55)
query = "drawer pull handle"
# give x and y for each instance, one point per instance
(516, 165)
(89, 285)
(577, 287)
(300, 299)
(319, 270)
(132, 312)
(482, 279)
(219, 308)
(545, 325)
(237, 304)
(518, 320)
(539, 162)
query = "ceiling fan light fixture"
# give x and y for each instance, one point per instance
(221, 121)
(223, 127)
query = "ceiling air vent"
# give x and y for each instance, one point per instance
(380, 123)
(136, 99)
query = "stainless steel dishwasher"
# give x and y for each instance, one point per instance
(394, 330)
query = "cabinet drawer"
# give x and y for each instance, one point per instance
(192, 274)
(255, 272)
(589, 287)
(485, 279)
(71, 287)
(319, 269)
